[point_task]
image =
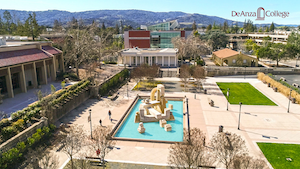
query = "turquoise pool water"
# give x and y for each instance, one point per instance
(153, 130)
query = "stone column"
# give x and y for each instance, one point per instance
(125, 60)
(169, 60)
(44, 72)
(130, 59)
(53, 69)
(9, 85)
(136, 60)
(156, 60)
(34, 76)
(163, 61)
(23, 80)
(176, 61)
(150, 60)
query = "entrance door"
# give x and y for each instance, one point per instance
(153, 60)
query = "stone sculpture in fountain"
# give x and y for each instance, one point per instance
(154, 110)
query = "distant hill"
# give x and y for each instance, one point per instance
(135, 18)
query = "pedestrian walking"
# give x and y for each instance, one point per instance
(109, 114)
(100, 121)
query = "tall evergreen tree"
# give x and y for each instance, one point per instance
(225, 26)
(194, 26)
(117, 29)
(7, 17)
(208, 28)
(103, 26)
(267, 29)
(214, 26)
(272, 27)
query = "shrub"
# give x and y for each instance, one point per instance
(8, 132)
(19, 125)
(13, 157)
(280, 86)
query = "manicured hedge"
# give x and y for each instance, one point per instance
(114, 82)
(15, 156)
(33, 111)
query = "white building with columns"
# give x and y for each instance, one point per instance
(136, 56)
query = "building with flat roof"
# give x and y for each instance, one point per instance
(165, 26)
(26, 65)
(137, 56)
(151, 39)
(228, 57)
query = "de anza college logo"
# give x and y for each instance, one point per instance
(261, 14)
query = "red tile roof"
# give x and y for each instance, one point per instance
(51, 50)
(224, 53)
(21, 56)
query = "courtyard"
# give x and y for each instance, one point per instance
(259, 123)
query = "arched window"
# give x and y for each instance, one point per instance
(244, 61)
(233, 61)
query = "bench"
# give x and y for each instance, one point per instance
(95, 163)
(114, 96)
(211, 102)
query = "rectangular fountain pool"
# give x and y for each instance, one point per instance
(153, 131)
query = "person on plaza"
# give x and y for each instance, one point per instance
(109, 114)
(100, 121)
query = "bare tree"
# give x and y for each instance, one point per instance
(248, 162)
(199, 75)
(49, 161)
(145, 71)
(190, 47)
(184, 74)
(227, 147)
(39, 158)
(102, 142)
(78, 47)
(73, 141)
(190, 153)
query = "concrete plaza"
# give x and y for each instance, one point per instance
(258, 123)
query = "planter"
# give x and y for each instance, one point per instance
(205, 91)
(269, 84)
(275, 89)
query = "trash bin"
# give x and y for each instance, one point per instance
(220, 129)
(269, 84)
(205, 91)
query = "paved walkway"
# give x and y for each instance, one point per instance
(22, 100)
(258, 123)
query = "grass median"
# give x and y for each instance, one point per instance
(281, 155)
(245, 93)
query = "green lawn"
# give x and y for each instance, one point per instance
(245, 93)
(277, 154)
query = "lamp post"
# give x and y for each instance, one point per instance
(240, 116)
(227, 98)
(188, 118)
(289, 101)
(127, 87)
(90, 120)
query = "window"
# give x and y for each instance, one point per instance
(244, 61)
(234, 61)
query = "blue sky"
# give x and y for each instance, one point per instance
(219, 8)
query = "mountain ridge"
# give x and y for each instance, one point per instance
(133, 17)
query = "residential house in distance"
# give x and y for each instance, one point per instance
(26, 65)
(228, 57)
